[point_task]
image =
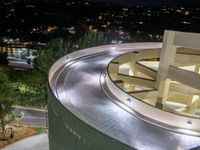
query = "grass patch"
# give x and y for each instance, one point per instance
(40, 130)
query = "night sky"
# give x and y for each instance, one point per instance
(152, 2)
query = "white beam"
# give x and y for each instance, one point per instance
(185, 77)
(187, 58)
(145, 70)
(145, 95)
(183, 50)
(187, 40)
(181, 88)
(167, 57)
(136, 80)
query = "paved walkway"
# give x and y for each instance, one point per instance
(37, 142)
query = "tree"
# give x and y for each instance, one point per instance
(60, 47)
(54, 50)
(5, 99)
(3, 58)
(29, 87)
(91, 39)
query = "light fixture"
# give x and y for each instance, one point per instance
(104, 75)
(113, 47)
(189, 123)
(128, 99)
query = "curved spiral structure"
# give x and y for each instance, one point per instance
(96, 101)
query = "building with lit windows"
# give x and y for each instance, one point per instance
(127, 96)
(20, 55)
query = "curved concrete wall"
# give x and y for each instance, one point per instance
(67, 132)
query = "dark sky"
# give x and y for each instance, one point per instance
(152, 2)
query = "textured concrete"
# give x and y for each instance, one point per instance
(37, 142)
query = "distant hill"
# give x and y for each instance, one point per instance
(150, 2)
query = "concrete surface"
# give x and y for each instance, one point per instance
(37, 142)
